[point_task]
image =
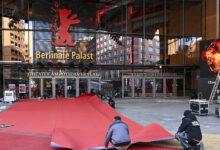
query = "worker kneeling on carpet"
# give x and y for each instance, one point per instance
(118, 135)
(189, 133)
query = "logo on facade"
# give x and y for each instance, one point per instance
(64, 18)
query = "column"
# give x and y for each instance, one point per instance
(77, 87)
(99, 83)
(89, 86)
(122, 88)
(30, 79)
(53, 88)
(154, 87)
(132, 82)
(143, 87)
(65, 86)
(41, 87)
(164, 87)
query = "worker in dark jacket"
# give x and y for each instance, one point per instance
(189, 133)
(118, 135)
(111, 102)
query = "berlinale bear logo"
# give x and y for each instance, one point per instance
(64, 24)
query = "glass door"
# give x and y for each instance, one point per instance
(83, 86)
(159, 87)
(169, 87)
(179, 84)
(137, 87)
(60, 87)
(127, 87)
(47, 88)
(35, 88)
(71, 88)
(149, 87)
(94, 85)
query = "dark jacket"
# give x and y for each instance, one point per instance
(191, 126)
(111, 102)
(118, 133)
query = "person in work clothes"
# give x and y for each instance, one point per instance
(189, 133)
(118, 135)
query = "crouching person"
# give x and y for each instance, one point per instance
(118, 135)
(189, 133)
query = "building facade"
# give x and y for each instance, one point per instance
(139, 48)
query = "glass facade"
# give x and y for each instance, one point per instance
(138, 36)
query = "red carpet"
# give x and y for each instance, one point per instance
(80, 123)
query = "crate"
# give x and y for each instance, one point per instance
(199, 106)
(217, 110)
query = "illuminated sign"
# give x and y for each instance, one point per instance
(64, 55)
(210, 58)
(66, 18)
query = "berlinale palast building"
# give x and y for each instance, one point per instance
(124, 48)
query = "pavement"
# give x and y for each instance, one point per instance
(167, 112)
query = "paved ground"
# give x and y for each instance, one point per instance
(167, 113)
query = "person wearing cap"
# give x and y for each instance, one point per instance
(189, 133)
(118, 135)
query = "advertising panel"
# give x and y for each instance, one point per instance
(210, 58)
(22, 88)
(11, 87)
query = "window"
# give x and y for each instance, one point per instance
(97, 52)
(121, 58)
(105, 43)
(151, 56)
(150, 41)
(110, 47)
(97, 40)
(157, 43)
(110, 54)
(11, 35)
(105, 56)
(101, 51)
(157, 50)
(115, 60)
(101, 57)
(101, 39)
(128, 57)
(115, 52)
(157, 58)
(150, 49)
(105, 49)
(19, 38)
(128, 49)
(105, 37)
(110, 41)
(101, 45)
(109, 61)
(128, 42)
(12, 43)
(16, 37)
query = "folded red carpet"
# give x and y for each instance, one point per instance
(83, 123)
(79, 123)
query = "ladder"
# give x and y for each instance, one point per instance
(212, 95)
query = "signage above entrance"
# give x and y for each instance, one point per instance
(74, 74)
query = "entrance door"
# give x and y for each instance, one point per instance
(169, 87)
(35, 88)
(60, 87)
(71, 87)
(137, 87)
(127, 87)
(179, 83)
(149, 87)
(47, 88)
(94, 85)
(83, 86)
(159, 87)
